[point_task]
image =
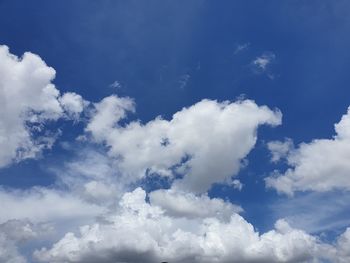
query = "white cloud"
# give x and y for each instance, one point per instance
(141, 232)
(205, 142)
(321, 165)
(279, 149)
(73, 104)
(237, 184)
(93, 177)
(343, 247)
(179, 204)
(28, 100)
(263, 61)
(43, 204)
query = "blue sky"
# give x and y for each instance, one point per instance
(119, 65)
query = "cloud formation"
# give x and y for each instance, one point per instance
(28, 101)
(141, 232)
(97, 191)
(321, 165)
(204, 143)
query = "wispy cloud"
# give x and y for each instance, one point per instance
(116, 85)
(262, 64)
(241, 47)
(184, 80)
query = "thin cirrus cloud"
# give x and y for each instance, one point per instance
(97, 191)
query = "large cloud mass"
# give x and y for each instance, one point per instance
(140, 232)
(204, 143)
(28, 100)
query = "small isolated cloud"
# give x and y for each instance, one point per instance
(184, 80)
(236, 184)
(115, 85)
(262, 64)
(241, 47)
(280, 149)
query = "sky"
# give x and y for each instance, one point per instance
(189, 131)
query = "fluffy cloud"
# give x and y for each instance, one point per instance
(204, 143)
(280, 149)
(321, 165)
(73, 104)
(28, 100)
(141, 232)
(179, 204)
(343, 247)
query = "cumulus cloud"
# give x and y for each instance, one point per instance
(73, 104)
(29, 100)
(321, 165)
(343, 247)
(205, 143)
(179, 204)
(141, 232)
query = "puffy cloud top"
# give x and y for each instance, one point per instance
(141, 232)
(28, 100)
(205, 142)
